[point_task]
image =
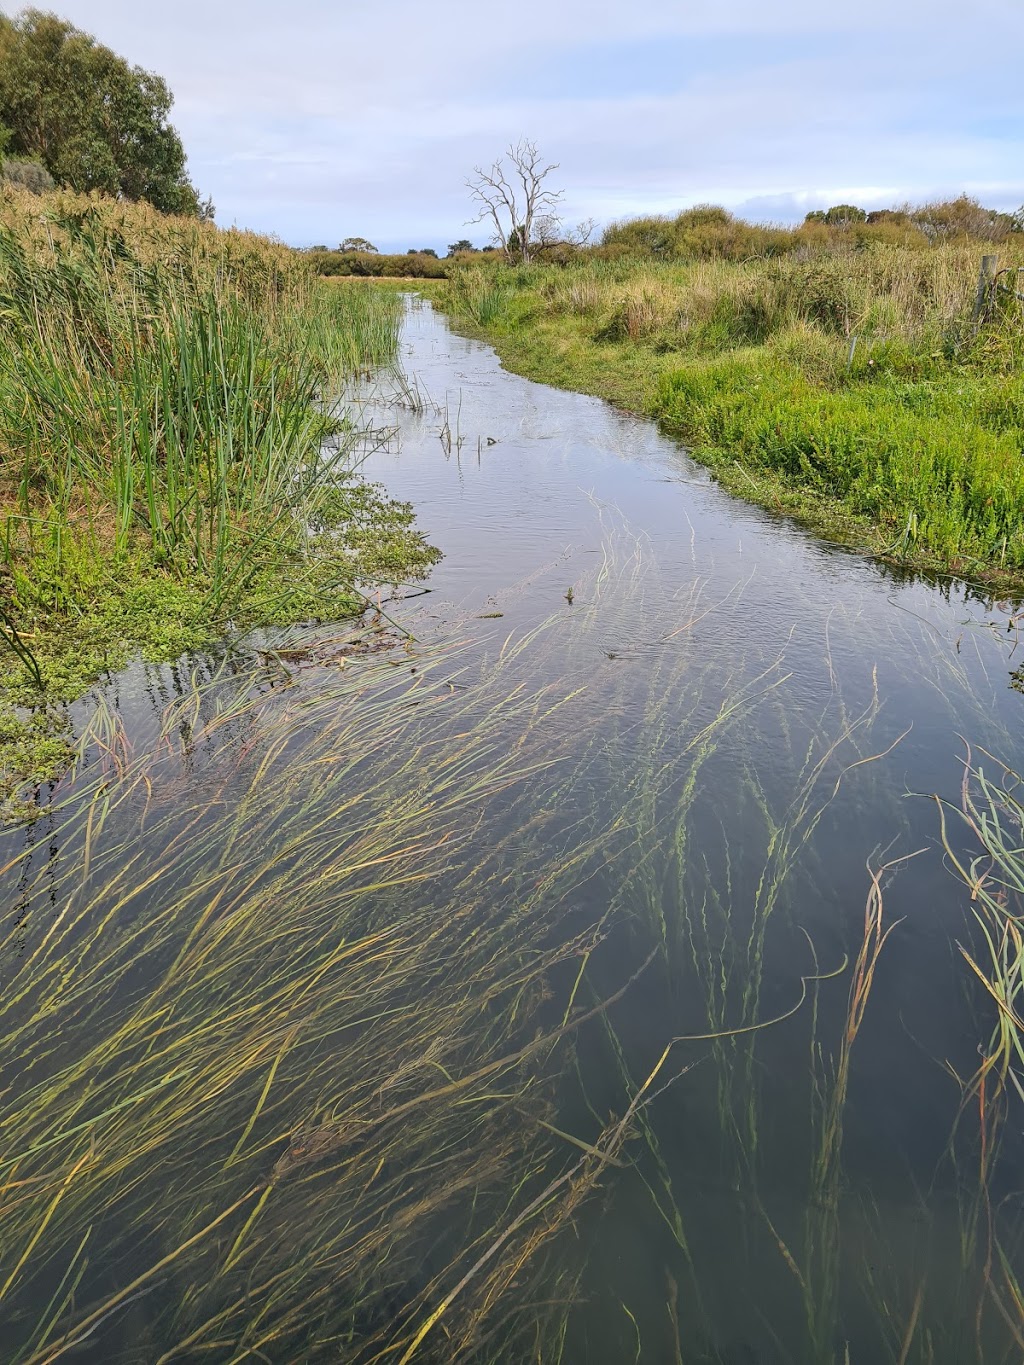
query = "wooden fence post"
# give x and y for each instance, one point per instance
(986, 277)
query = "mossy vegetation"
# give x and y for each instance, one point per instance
(856, 385)
(173, 461)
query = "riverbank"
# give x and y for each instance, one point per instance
(856, 393)
(172, 466)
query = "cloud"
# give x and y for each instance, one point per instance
(317, 120)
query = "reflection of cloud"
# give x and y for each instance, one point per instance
(317, 120)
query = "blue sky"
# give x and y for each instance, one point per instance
(317, 120)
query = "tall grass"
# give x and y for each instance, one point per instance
(176, 458)
(858, 390)
(167, 394)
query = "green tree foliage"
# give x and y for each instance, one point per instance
(463, 244)
(93, 121)
(839, 215)
(356, 244)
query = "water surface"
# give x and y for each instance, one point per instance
(756, 722)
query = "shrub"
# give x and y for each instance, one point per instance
(962, 217)
(644, 236)
(28, 175)
(417, 264)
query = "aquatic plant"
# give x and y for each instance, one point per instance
(258, 1089)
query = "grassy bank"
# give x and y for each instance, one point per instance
(172, 461)
(851, 387)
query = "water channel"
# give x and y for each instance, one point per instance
(711, 744)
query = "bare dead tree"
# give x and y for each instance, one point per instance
(550, 232)
(513, 198)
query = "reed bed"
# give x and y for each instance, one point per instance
(170, 404)
(174, 458)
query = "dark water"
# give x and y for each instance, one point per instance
(523, 520)
(758, 722)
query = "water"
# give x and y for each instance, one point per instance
(714, 728)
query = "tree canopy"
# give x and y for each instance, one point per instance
(94, 121)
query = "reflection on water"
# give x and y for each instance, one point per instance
(332, 974)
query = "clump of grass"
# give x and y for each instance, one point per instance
(173, 457)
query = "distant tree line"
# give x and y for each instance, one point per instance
(74, 113)
(709, 231)
(358, 256)
(960, 217)
(415, 264)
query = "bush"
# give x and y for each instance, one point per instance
(652, 236)
(416, 264)
(709, 232)
(962, 217)
(28, 175)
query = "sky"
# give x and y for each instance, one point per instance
(318, 120)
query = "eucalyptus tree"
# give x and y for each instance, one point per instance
(94, 121)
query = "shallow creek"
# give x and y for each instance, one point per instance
(750, 730)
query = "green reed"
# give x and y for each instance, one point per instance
(170, 417)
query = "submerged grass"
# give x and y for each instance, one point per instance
(294, 995)
(991, 866)
(171, 458)
(741, 1195)
(284, 1004)
(856, 390)
(260, 1093)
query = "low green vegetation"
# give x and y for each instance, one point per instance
(857, 383)
(172, 460)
